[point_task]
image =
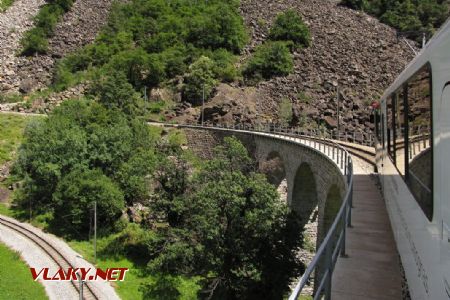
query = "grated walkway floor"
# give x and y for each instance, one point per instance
(371, 270)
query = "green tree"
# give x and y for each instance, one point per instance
(289, 26)
(113, 90)
(233, 230)
(220, 27)
(75, 196)
(414, 16)
(199, 80)
(269, 60)
(83, 136)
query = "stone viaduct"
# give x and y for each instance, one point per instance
(315, 184)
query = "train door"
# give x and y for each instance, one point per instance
(444, 132)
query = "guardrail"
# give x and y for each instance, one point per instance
(333, 245)
(357, 137)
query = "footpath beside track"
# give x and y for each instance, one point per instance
(49, 248)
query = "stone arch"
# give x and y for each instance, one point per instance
(332, 206)
(304, 193)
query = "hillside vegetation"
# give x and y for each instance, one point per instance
(199, 225)
(414, 16)
(4, 4)
(36, 39)
(152, 41)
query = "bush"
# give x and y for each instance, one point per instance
(405, 15)
(75, 196)
(199, 80)
(154, 41)
(112, 90)
(79, 136)
(64, 4)
(34, 41)
(47, 18)
(285, 113)
(224, 65)
(269, 60)
(289, 26)
(219, 27)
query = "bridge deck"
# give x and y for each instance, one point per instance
(371, 270)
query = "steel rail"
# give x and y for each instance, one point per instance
(53, 253)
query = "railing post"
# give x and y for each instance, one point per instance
(329, 267)
(346, 164)
(342, 159)
(344, 230)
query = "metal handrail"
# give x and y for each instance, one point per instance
(330, 248)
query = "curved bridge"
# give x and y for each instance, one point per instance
(319, 177)
(312, 174)
(351, 262)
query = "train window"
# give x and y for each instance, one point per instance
(400, 129)
(420, 156)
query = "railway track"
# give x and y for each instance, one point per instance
(53, 253)
(353, 149)
(367, 156)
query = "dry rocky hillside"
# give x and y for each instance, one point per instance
(79, 27)
(349, 48)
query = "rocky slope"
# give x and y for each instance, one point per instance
(78, 27)
(13, 23)
(349, 48)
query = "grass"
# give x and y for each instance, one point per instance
(4, 4)
(11, 135)
(304, 97)
(137, 275)
(154, 109)
(15, 278)
(127, 289)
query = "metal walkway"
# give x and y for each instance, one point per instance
(371, 269)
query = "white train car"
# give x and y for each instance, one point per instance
(413, 160)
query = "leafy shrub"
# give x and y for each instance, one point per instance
(75, 196)
(80, 142)
(34, 41)
(113, 90)
(4, 4)
(269, 60)
(199, 80)
(224, 65)
(47, 18)
(289, 26)
(64, 4)
(405, 15)
(219, 27)
(154, 41)
(285, 112)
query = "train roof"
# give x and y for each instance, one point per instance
(420, 60)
